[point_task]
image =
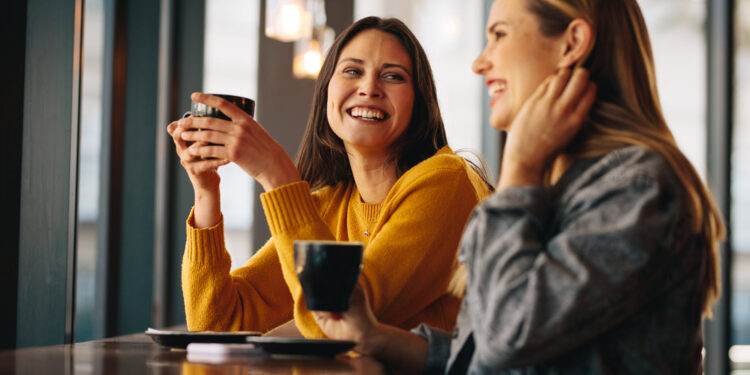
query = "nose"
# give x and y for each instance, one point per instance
(370, 86)
(481, 63)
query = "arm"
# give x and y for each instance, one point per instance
(203, 176)
(255, 298)
(400, 350)
(251, 298)
(532, 298)
(402, 274)
(241, 140)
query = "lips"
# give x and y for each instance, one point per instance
(367, 113)
(495, 87)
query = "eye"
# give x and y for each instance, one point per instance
(394, 77)
(352, 71)
(496, 35)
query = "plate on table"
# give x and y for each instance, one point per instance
(181, 339)
(297, 346)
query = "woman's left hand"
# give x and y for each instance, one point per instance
(356, 324)
(241, 140)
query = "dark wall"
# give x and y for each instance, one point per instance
(12, 22)
(46, 256)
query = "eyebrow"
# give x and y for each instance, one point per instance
(385, 66)
(498, 23)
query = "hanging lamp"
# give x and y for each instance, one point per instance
(288, 20)
(310, 52)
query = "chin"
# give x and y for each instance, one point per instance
(500, 123)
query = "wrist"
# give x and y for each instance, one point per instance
(207, 209)
(280, 177)
(372, 342)
(517, 173)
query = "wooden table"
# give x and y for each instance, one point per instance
(138, 354)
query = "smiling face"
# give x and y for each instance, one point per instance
(371, 94)
(517, 58)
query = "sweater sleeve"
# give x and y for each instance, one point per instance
(411, 253)
(535, 291)
(438, 348)
(253, 297)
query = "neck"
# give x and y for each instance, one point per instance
(373, 174)
(559, 166)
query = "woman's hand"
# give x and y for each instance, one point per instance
(401, 351)
(356, 324)
(545, 125)
(202, 172)
(241, 140)
(204, 177)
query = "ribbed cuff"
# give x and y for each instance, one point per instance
(205, 246)
(288, 206)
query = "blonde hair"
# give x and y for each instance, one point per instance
(627, 112)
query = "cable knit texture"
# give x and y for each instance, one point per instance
(410, 252)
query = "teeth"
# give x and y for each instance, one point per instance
(367, 113)
(495, 88)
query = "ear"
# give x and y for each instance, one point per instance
(578, 40)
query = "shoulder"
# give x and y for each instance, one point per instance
(444, 171)
(637, 161)
(445, 164)
(635, 165)
(326, 195)
(632, 171)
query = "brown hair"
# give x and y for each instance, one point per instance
(322, 159)
(627, 110)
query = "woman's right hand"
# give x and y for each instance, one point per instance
(545, 125)
(203, 175)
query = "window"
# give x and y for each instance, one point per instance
(230, 67)
(740, 194)
(90, 144)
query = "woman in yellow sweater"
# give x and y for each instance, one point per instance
(374, 167)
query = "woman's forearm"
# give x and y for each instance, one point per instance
(400, 350)
(207, 210)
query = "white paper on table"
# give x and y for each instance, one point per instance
(218, 353)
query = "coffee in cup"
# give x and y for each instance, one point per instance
(328, 272)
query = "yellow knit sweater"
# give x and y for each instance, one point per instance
(409, 255)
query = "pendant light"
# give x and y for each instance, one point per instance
(310, 52)
(288, 20)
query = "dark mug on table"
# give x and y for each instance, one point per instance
(328, 272)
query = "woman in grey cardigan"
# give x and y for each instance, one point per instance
(598, 252)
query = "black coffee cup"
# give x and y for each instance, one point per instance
(328, 272)
(202, 110)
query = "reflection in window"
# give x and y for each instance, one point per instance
(88, 185)
(451, 34)
(230, 67)
(740, 190)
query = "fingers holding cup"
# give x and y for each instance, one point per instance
(226, 107)
(209, 112)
